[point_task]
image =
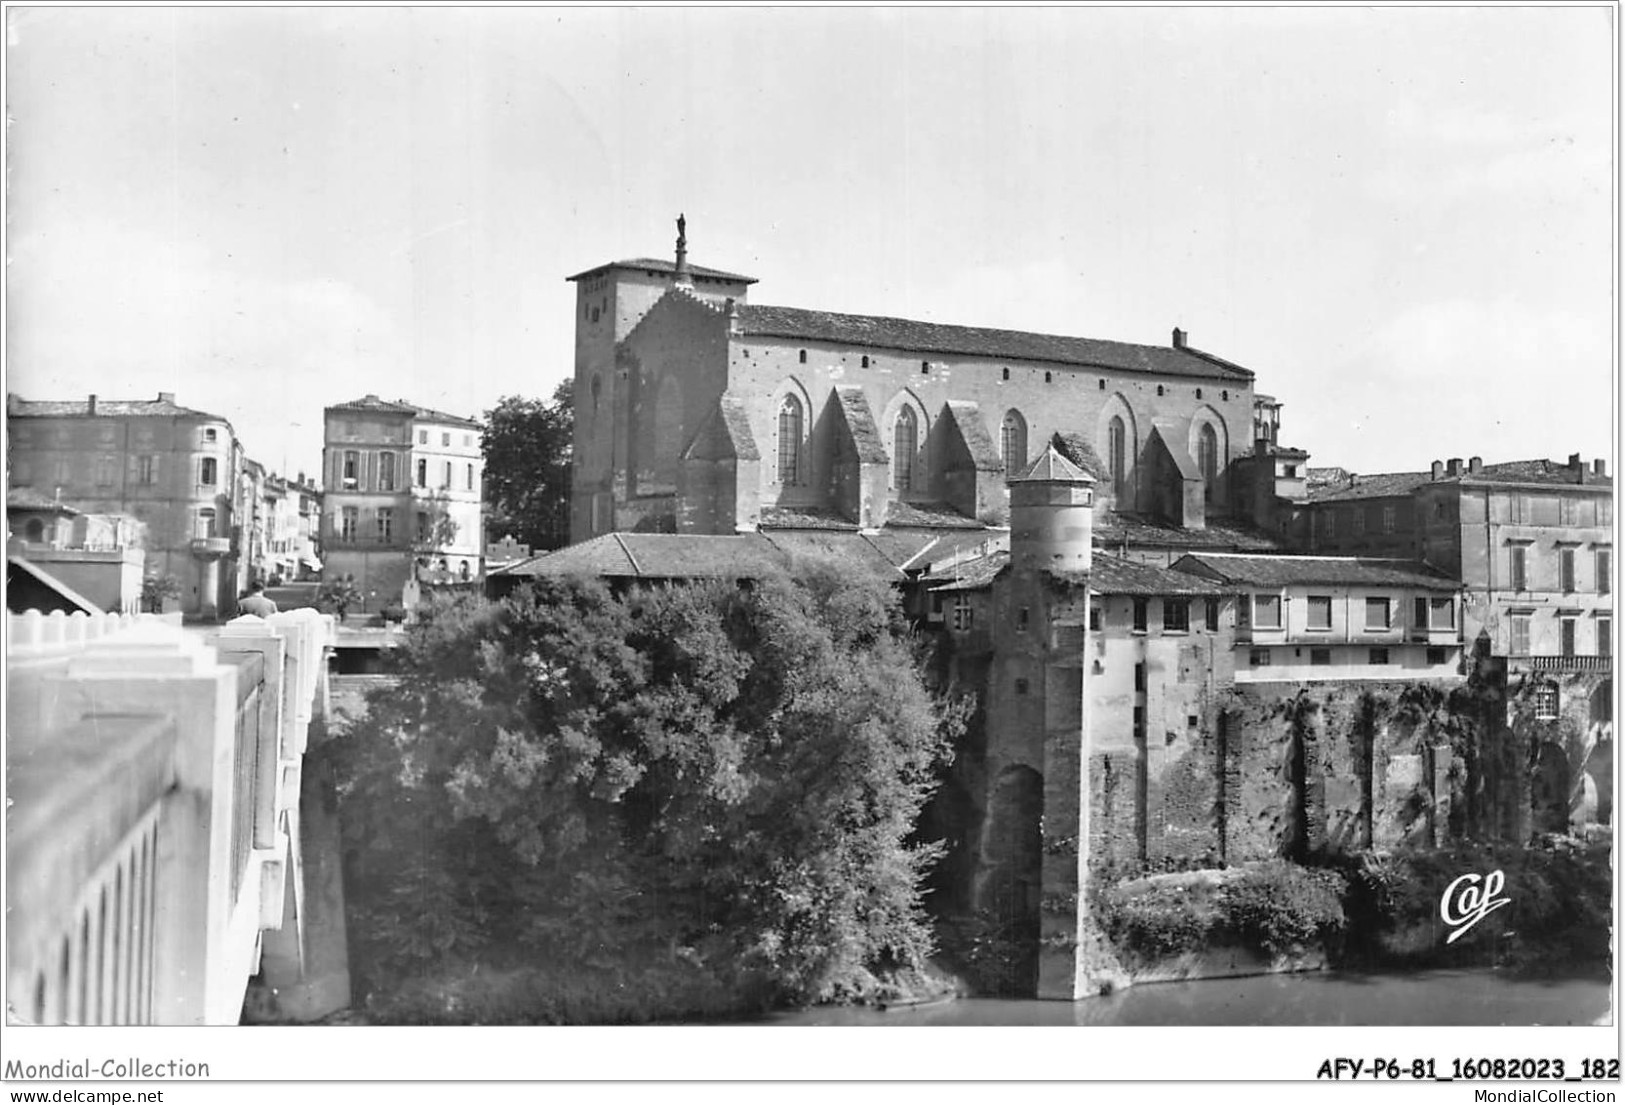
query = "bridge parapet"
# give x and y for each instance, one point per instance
(154, 831)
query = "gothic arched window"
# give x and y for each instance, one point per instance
(790, 440)
(1013, 443)
(1207, 459)
(905, 442)
(1117, 454)
(1207, 448)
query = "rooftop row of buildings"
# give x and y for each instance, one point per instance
(104, 495)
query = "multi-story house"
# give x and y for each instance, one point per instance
(292, 512)
(174, 469)
(402, 498)
(1305, 619)
(1532, 544)
(1531, 541)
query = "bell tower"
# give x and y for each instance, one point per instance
(611, 300)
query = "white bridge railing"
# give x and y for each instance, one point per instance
(154, 773)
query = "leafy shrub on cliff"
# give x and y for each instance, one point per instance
(1278, 906)
(1559, 913)
(1158, 920)
(725, 776)
(1274, 908)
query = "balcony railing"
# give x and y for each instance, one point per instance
(1602, 665)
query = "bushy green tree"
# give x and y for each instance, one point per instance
(730, 773)
(338, 595)
(157, 588)
(527, 443)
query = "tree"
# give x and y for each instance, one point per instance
(156, 589)
(730, 772)
(338, 595)
(527, 468)
(440, 528)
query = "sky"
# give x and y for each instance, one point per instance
(1402, 220)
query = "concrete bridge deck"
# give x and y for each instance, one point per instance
(156, 848)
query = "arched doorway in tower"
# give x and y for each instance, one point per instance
(1599, 765)
(1011, 885)
(1549, 789)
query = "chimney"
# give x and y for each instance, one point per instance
(166, 397)
(1455, 466)
(1475, 465)
(1599, 468)
(1179, 338)
(1438, 469)
(92, 403)
(730, 310)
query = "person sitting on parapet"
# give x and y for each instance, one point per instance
(256, 603)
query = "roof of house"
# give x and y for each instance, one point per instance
(1330, 485)
(1286, 571)
(26, 498)
(945, 548)
(861, 550)
(928, 516)
(1534, 471)
(659, 556)
(973, 341)
(1337, 485)
(1107, 575)
(1116, 528)
(653, 264)
(163, 407)
(810, 517)
(1112, 575)
(969, 575)
(50, 582)
(371, 403)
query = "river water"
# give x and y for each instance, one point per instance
(1433, 998)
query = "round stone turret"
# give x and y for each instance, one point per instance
(1052, 512)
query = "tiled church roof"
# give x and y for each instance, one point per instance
(972, 341)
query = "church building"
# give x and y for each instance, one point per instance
(700, 412)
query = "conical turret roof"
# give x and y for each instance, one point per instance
(1052, 467)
